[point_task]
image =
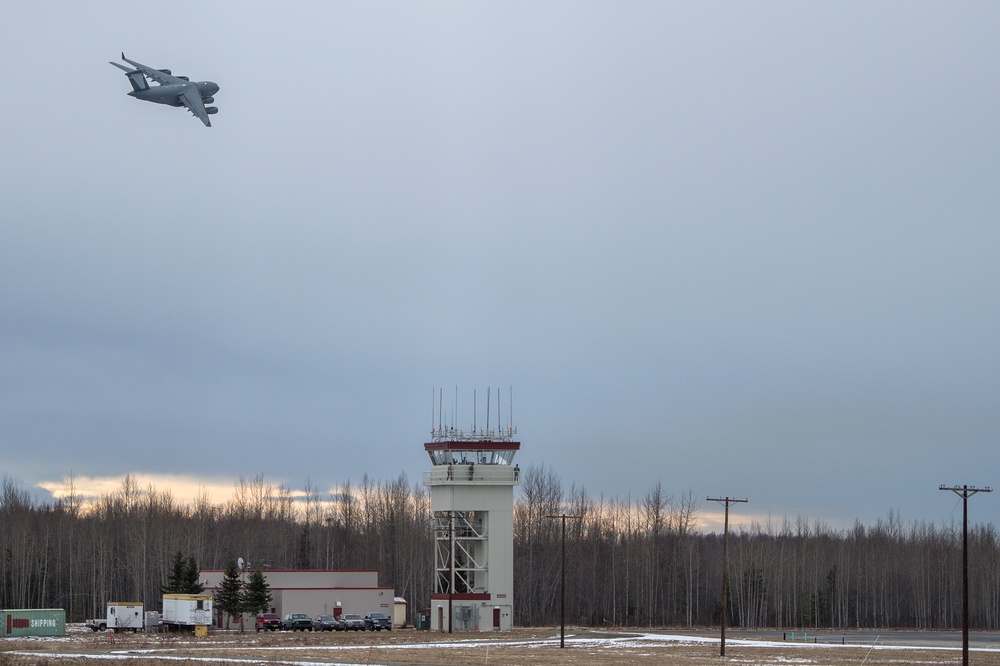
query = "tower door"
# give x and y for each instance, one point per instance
(496, 617)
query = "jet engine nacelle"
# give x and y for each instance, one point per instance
(183, 78)
(166, 71)
(211, 110)
(209, 100)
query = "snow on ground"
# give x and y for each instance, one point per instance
(181, 649)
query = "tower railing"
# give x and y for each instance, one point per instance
(464, 474)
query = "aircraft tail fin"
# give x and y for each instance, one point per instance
(134, 77)
(137, 80)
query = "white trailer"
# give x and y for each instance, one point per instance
(187, 610)
(121, 616)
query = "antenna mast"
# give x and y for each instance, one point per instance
(446, 427)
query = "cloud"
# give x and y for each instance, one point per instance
(186, 490)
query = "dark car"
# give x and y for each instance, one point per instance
(378, 622)
(268, 621)
(324, 623)
(352, 622)
(297, 622)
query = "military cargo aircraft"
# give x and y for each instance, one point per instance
(172, 90)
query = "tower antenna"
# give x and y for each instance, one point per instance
(440, 396)
(474, 407)
(487, 409)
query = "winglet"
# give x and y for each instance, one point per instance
(123, 55)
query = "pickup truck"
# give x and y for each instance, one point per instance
(97, 624)
(378, 622)
(297, 622)
(268, 622)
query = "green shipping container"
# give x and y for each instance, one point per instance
(33, 622)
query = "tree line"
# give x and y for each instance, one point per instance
(640, 561)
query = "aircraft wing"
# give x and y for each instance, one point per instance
(156, 75)
(127, 70)
(191, 98)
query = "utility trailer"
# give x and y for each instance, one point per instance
(121, 616)
(186, 611)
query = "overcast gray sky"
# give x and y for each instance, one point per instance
(744, 249)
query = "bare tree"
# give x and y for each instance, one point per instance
(630, 564)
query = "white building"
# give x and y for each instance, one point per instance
(472, 497)
(318, 592)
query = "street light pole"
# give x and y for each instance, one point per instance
(562, 605)
(965, 492)
(725, 565)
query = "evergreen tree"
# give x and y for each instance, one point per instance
(190, 583)
(257, 596)
(228, 598)
(176, 575)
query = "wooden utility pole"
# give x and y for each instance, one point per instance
(725, 565)
(451, 567)
(965, 492)
(562, 605)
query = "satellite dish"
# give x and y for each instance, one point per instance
(239, 563)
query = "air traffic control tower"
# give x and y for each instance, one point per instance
(472, 498)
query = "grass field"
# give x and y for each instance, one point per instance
(536, 647)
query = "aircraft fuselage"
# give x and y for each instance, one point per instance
(170, 94)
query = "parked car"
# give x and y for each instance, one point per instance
(324, 623)
(352, 622)
(378, 622)
(268, 622)
(297, 622)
